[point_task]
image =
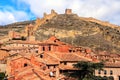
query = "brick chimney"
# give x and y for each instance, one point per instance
(68, 11)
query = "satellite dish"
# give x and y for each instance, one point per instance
(51, 74)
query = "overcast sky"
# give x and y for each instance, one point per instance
(21, 10)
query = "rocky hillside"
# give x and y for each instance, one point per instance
(80, 32)
(18, 26)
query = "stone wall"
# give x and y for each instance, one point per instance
(44, 19)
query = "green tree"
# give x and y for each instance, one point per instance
(2, 75)
(85, 70)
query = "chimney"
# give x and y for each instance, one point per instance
(68, 11)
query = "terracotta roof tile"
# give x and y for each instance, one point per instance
(69, 57)
(50, 59)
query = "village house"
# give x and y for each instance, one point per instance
(110, 70)
(112, 65)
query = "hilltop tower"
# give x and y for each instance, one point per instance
(68, 11)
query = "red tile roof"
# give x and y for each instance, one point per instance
(69, 57)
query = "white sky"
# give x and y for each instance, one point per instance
(106, 10)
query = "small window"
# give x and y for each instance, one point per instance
(73, 50)
(43, 48)
(99, 71)
(47, 20)
(25, 65)
(70, 50)
(65, 63)
(36, 51)
(111, 72)
(54, 40)
(41, 56)
(105, 72)
(49, 48)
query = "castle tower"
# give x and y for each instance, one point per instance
(30, 33)
(68, 11)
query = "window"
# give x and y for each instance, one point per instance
(49, 48)
(25, 65)
(111, 72)
(54, 40)
(70, 50)
(105, 72)
(41, 56)
(36, 51)
(73, 50)
(47, 20)
(65, 63)
(43, 48)
(99, 71)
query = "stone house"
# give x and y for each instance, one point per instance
(110, 70)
